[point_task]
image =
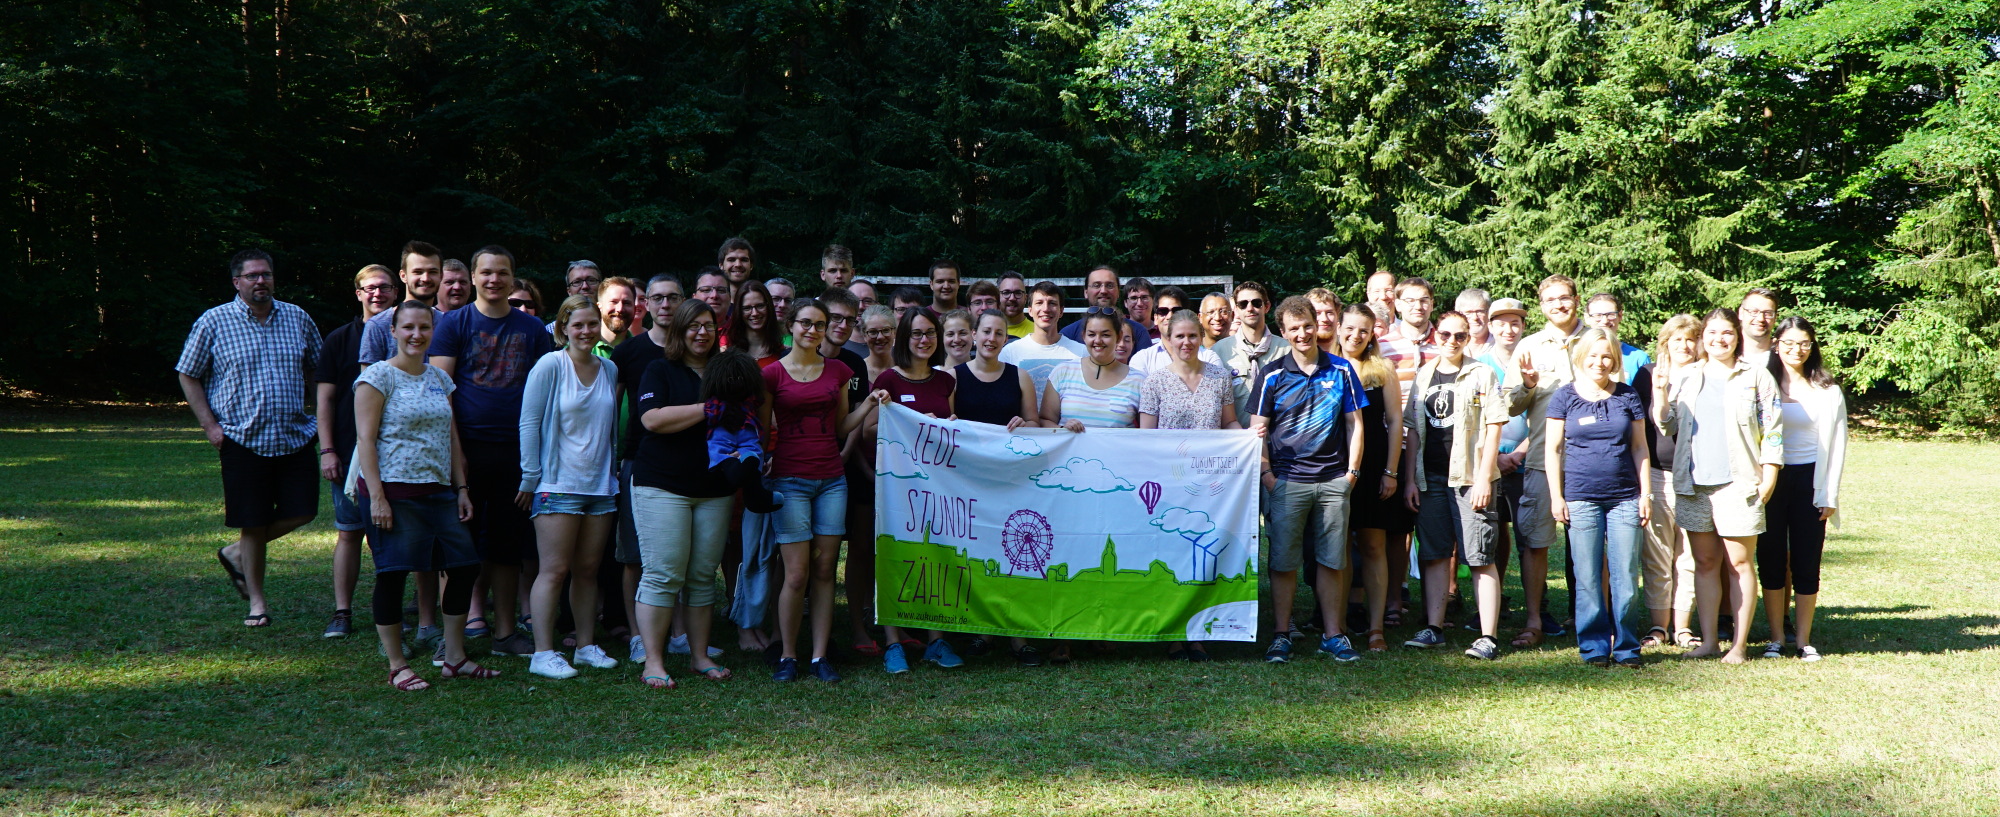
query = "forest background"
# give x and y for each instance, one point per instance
(1845, 153)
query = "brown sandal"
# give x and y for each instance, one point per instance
(411, 684)
(1529, 638)
(473, 671)
(1376, 643)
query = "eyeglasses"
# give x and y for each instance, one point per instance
(1250, 303)
(707, 290)
(881, 333)
(255, 276)
(927, 334)
(701, 327)
(839, 320)
(584, 283)
(1766, 314)
(816, 326)
(1426, 301)
(1453, 337)
(376, 289)
(1604, 316)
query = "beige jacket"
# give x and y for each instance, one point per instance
(1479, 404)
(1828, 408)
(1750, 399)
(1550, 349)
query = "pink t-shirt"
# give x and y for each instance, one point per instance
(805, 419)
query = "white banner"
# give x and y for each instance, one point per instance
(1117, 534)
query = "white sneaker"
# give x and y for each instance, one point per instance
(636, 651)
(1808, 654)
(678, 645)
(550, 665)
(593, 656)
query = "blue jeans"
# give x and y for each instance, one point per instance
(1604, 539)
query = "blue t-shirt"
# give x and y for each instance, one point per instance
(1307, 415)
(1140, 337)
(494, 357)
(1597, 443)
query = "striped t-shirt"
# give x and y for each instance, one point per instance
(1114, 407)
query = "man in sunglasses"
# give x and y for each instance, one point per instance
(1100, 289)
(1253, 345)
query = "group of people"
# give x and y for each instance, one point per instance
(620, 464)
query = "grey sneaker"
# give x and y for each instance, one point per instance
(635, 650)
(437, 654)
(517, 644)
(383, 649)
(427, 636)
(1279, 652)
(1425, 638)
(1484, 649)
(341, 625)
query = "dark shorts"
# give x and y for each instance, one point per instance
(501, 529)
(625, 539)
(1367, 509)
(425, 535)
(259, 490)
(347, 516)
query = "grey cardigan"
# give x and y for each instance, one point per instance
(541, 426)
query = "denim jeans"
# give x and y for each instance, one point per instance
(1604, 541)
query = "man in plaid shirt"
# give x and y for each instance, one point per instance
(246, 371)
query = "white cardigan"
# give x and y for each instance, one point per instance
(1828, 408)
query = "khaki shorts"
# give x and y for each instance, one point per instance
(1724, 510)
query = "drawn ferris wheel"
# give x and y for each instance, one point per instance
(1027, 541)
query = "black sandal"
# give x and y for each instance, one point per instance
(258, 620)
(1652, 640)
(235, 575)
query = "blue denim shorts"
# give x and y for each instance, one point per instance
(813, 507)
(580, 504)
(346, 514)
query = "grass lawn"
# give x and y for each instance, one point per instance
(129, 685)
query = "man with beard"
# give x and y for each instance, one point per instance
(423, 280)
(244, 371)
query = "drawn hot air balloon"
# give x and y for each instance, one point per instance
(1149, 493)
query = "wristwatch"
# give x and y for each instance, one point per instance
(1390, 474)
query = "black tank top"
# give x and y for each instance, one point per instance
(981, 402)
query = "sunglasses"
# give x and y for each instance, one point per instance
(1453, 337)
(1101, 310)
(520, 303)
(1250, 303)
(1164, 310)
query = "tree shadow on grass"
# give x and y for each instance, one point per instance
(1900, 629)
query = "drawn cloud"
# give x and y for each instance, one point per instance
(1024, 446)
(895, 460)
(1183, 521)
(1082, 476)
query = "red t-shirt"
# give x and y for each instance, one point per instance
(803, 441)
(929, 396)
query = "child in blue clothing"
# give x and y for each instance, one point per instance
(730, 392)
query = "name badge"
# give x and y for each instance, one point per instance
(909, 398)
(1587, 419)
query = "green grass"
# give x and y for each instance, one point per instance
(128, 685)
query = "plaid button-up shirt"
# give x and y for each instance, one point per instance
(256, 374)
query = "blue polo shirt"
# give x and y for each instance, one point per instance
(1307, 416)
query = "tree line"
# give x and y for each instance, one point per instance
(1843, 152)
